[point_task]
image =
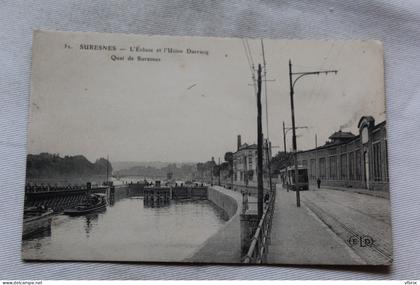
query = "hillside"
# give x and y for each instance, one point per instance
(46, 165)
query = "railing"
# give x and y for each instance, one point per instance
(58, 189)
(257, 252)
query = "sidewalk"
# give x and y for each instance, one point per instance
(299, 237)
(381, 194)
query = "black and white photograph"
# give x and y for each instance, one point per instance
(206, 150)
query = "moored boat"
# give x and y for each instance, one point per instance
(36, 219)
(94, 203)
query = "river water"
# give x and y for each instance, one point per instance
(128, 231)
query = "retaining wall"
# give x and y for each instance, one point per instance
(225, 245)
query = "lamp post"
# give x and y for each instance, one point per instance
(292, 107)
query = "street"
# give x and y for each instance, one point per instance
(331, 227)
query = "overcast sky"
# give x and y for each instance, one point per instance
(190, 107)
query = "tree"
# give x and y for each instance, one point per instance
(229, 157)
(229, 160)
(216, 170)
(281, 160)
(45, 165)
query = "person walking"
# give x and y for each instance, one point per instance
(318, 181)
(266, 198)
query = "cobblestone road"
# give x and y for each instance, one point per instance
(331, 227)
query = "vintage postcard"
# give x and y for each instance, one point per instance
(206, 150)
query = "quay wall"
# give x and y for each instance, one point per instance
(121, 192)
(135, 188)
(225, 245)
(189, 192)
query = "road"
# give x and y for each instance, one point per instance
(331, 227)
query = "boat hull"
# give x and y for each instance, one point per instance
(35, 224)
(79, 212)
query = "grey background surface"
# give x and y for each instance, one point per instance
(396, 23)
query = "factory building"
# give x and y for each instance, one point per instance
(349, 160)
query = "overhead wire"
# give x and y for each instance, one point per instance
(250, 63)
(265, 86)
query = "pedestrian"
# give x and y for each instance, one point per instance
(318, 181)
(266, 198)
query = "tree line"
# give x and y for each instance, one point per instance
(46, 165)
(171, 171)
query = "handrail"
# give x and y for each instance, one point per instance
(257, 252)
(58, 189)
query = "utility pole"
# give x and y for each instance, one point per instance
(316, 156)
(284, 138)
(268, 153)
(292, 107)
(260, 146)
(265, 85)
(286, 130)
(212, 170)
(219, 171)
(268, 150)
(232, 175)
(107, 170)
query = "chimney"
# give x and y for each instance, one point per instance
(239, 141)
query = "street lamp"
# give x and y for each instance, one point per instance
(292, 107)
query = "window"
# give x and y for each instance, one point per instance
(250, 162)
(322, 168)
(343, 166)
(365, 135)
(358, 165)
(313, 169)
(333, 167)
(377, 161)
(351, 166)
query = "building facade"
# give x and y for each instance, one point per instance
(348, 160)
(245, 163)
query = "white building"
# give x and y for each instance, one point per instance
(245, 163)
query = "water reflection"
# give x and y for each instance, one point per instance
(91, 220)
(41, 233)
(128, 231)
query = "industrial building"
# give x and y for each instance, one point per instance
(349, 160)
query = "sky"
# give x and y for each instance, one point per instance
(191, 107)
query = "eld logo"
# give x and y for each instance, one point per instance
(362, 241)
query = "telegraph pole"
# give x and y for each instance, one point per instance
(292, 107)
(268, 150)
(316, 155)
(219, 171)
(107, 170)
(286, 130)
(212, 170)
(284, 138)
(268, 154)
(260, 146)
